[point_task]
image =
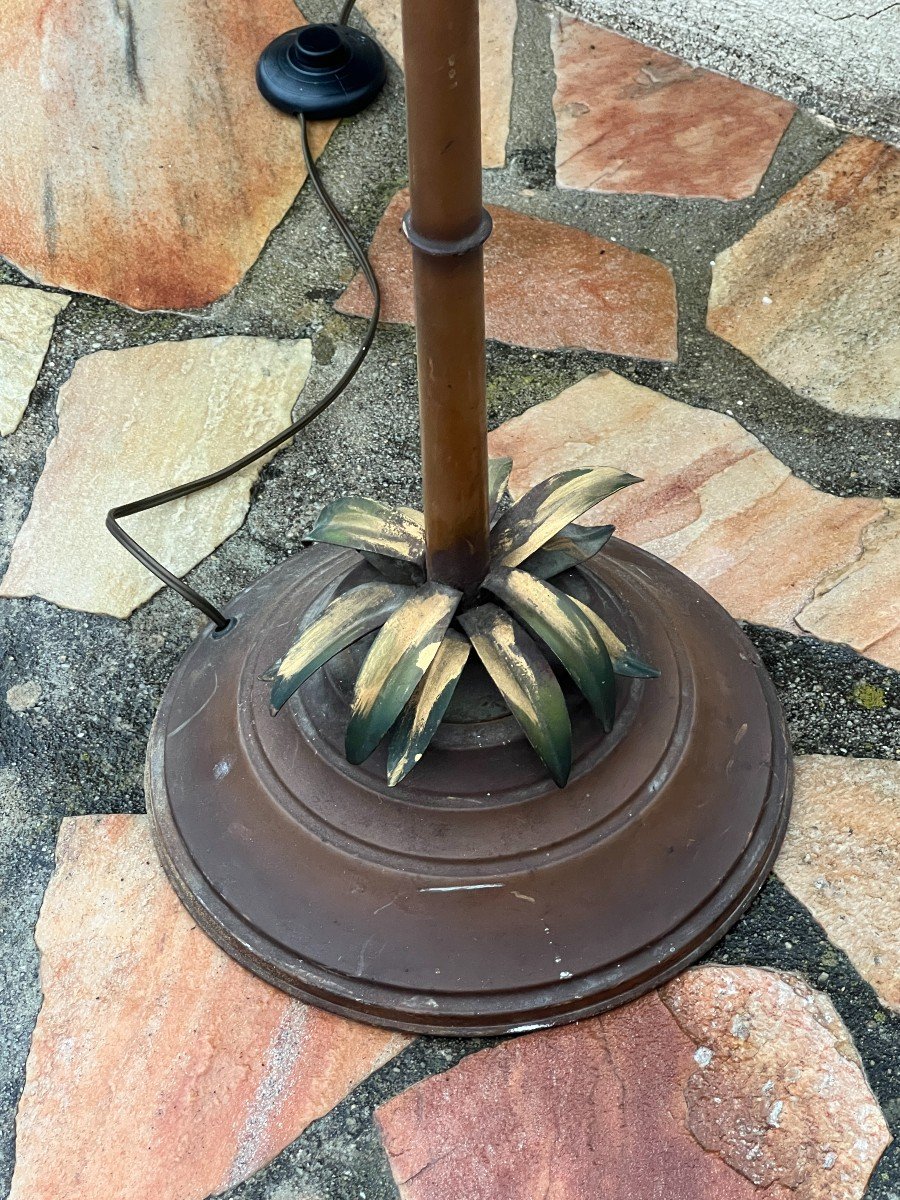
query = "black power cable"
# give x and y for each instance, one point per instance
(198, 485)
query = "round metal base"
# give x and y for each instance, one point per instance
(475, 897)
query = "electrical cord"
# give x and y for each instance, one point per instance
(121, 511)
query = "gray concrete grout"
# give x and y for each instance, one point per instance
(81, 749)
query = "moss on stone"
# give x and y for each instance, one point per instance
(867, 695)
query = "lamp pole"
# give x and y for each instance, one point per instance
(447, 226)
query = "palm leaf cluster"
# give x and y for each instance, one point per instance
(427, 630)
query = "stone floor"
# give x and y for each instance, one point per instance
(689, 278)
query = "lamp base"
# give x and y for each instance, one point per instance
(475, 897)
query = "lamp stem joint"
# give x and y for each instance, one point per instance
(445, 248)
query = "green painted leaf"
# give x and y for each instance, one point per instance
(425, 708)
(573, 544)
(554, 617)
(549, 506)
(526, 682)
(371, 526)
(623, 660)
(498, 477)
(399, 657)
(396, 570)
(344, 620)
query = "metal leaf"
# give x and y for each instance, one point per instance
(369, 525)
(396, 570)
(624, 661)
(498, 476)
(553, 617)
(526, 682)
(399, 657)
(548, 507)
(573, 544)
(345, 619)
(425, 708)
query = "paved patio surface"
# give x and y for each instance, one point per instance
(690, 278)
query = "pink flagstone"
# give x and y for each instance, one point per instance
(632, 119)
(731, 1083)
(546, 285)
(722, 508)
(138, 159)
(497, 31)
(812, 291)
(865, 592)
(841, 858)
(27, 316)
(160, 1069)
(134, 422)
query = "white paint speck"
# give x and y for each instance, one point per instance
(464, 887)
(703, 1056)
(565, 974)
(767, 299)
(221, 769)
(775, 1114)
(829, 1160)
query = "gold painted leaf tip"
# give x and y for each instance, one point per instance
(361, 523)
(399, 657)
(345, 619)
(527, 683)
(560, 624)
(549, 506)
(425, 709)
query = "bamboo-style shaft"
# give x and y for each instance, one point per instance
(440, 43)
